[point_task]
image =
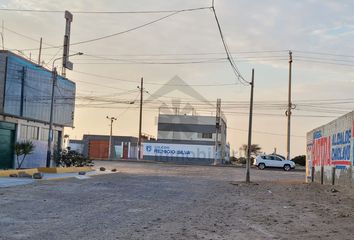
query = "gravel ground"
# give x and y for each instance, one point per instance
(157, 201)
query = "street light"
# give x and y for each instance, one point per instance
(110, 136)
(50, 132)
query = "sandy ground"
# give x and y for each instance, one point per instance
(156, 201)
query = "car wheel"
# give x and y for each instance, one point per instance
(287, 167)
(261, 166)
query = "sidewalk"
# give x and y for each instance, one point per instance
(12, 181)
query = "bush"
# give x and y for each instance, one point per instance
(242, 160)
(70, 158)
(300, 160)
(233, 159)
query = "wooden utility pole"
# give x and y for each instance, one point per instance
(288, 112)
(140, 116)
(248, 163)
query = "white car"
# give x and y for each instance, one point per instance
(273, 161)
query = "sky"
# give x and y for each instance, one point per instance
(258, 33)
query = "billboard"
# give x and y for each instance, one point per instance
(331, 147)
(179, 150)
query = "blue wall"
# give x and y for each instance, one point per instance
(28, 93)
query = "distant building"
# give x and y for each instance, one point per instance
(76, 145)
(330, 152)
(25, 100)
(96, 147)
(188, 139)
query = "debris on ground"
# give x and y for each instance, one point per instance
(37, 175)
(24, 175)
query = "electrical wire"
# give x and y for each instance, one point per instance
(103, 12)
(229, 56)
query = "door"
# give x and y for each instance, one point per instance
(125, 150)
(278, 162)
(6, 148)
(98, 149)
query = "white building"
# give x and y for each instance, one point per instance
(189, 139)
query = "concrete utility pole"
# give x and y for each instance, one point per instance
(217, 129)
(140, 116)
(288, 112)
(110, 137)
(50, 132)
(248, 163)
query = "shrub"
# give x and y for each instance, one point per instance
(242, 160)
(23, 149)
(70, 158)
(233, 159)
(300, 160)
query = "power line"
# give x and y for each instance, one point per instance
(265, 133)
(102, 12)
(229, 56)
(155, 83)
(128, 30)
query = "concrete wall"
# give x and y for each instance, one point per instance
(116, 141)
(179, 153)
(330, 151)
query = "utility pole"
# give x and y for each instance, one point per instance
(110, 137)
(40, 52)
(50, 132)
(140, 116)
(288, 112)
(217, 129)
(248, 163)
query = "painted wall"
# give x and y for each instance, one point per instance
(179, 153)
(330, 151)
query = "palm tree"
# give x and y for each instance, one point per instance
(23, 148)
(255, 149)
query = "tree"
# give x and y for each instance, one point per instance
(255, 149)
(23, 149)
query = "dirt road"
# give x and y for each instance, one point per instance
(154, 201)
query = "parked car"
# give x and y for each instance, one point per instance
(273, 161)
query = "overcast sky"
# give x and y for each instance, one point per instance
(259, 33)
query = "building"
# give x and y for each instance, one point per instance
(188, 139)
(96, 147)
(25, 102)
(330, 151)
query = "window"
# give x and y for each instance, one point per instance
(29, 132)
(207, 135)
(44, 134)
